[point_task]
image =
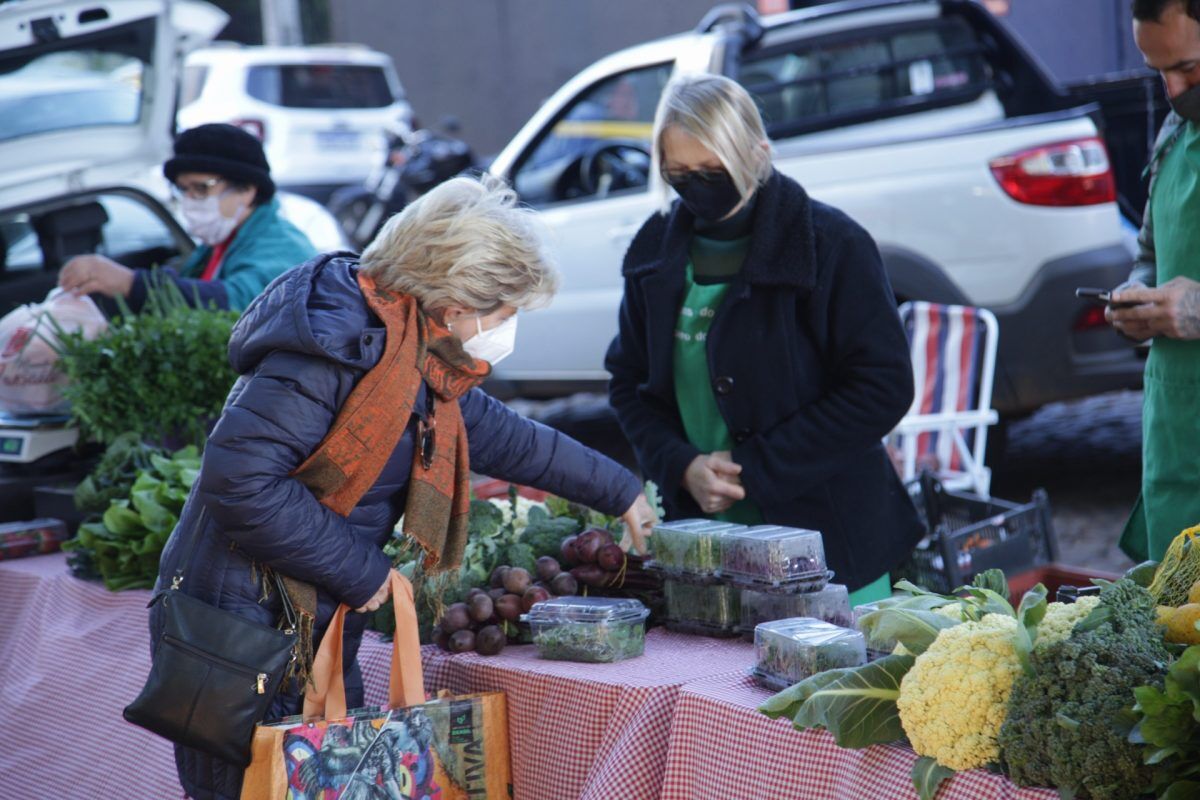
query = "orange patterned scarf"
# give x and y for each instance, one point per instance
(372, 420)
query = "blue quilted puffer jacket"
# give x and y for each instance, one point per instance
(300, 348)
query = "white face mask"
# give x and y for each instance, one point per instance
(495, 345)
(205, 220)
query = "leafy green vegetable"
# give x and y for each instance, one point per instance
(857, 705)
(113, 476)
(928, 776)
(125, 546)
(544, 534)
(1169, 727)
(160, 374)
(914, 628)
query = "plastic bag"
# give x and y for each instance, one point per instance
(30, 380)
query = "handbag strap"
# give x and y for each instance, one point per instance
(289, 611)
(326, 698)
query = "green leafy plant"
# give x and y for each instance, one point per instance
(125, 545)
(1168, 728)
(113, 477)
(161, 374)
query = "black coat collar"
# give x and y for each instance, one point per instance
(782, 244)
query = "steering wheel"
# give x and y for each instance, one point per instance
(612, 166)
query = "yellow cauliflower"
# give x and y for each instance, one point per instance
(952, 611)
(955, 697)
(1061, 619)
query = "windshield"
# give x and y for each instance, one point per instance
(76, 83)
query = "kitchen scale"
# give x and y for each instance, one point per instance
(24, 440)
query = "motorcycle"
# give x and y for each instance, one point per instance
(416, 162)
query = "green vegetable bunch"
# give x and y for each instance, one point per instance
(160, 374)
(1168, 728)
(113, 477)
(1070, 716)
(124, 547)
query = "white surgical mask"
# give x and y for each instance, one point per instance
(494, 345)
(205, 220)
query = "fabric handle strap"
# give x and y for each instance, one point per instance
(326, 698)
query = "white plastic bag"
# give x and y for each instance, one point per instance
(30, 380)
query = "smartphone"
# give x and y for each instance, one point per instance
(1102, 297)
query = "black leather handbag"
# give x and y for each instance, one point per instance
(214, 672)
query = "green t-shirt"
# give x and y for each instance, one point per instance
(702, 420)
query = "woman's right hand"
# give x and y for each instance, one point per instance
(714, 482)
(380, 597)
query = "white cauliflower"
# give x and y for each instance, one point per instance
(1061, 619)
(955, 697)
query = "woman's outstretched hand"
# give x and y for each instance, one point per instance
(639, 520)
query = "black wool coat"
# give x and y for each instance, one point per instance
(810, 367)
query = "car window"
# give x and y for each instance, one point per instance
(320, 86)
(71, 84)
(131, 228)
(869, 75)
(615, 115)
(191, 86)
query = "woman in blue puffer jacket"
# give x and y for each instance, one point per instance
(441, 285)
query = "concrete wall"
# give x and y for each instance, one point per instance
(1078, 39)
(492, 62)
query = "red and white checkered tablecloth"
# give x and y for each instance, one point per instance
(721, 747)
(588, 731)
(72, 655)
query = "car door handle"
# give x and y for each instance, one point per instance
(623, 233)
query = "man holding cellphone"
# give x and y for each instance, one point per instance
(1161, 299)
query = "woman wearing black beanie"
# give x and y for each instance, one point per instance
(222, 180)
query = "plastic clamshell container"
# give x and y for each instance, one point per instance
(774, 556)
(691, 546)
(702, 609)
(831, 604)
(794, 649)
(590, 629)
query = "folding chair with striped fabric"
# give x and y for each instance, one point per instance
(954, 361)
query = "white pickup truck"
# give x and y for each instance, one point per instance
(925, 120)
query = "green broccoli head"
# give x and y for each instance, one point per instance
(1068, 722)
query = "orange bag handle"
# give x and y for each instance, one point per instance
(326, 698)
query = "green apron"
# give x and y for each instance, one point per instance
(1170, 499)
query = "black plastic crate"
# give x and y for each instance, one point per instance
(969, 534)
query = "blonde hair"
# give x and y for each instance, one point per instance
(466, 242)
(723, 117)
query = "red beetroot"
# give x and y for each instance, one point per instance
(567, 550)
(611, 557)
(535, 594)
(589, 543)
(589, 575)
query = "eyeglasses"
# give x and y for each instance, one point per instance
(196, 190)
(680, 176)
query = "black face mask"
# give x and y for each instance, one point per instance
(1187, 104)
(711, 194)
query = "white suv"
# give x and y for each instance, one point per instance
(321, 112)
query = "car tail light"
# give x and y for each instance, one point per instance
(1074, 173)
(1090, 319)
(255, 127)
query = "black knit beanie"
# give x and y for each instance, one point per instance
(224, 150)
